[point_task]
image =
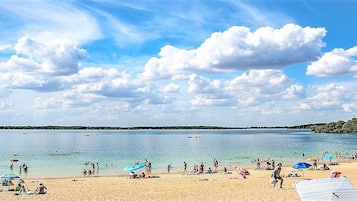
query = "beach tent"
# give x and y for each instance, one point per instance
(326, 189)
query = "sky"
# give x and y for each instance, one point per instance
(177, 62)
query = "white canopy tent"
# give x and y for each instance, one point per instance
(326, 189)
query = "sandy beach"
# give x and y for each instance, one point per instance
(177, 186)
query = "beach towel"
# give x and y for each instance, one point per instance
(324, 189)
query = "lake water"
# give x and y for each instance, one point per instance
(54, 153)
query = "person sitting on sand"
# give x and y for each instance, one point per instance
(132, 175)
(326, 167)
(18, 187)
(23, 189)
(314, 166)
(41, 189)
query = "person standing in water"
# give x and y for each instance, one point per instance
(168, 168)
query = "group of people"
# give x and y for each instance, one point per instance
(268, 163)
(133, 175)
(23, 190)
(22, 167)
(200, 169)
(94, 168)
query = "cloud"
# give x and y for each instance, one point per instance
(251, 14)
(41, 66)
(200, 84)
(47, 103)
(256, 87)
(124, 33)
(56, 57)
(107, 83)
(17, 80)
(91, 85)
(240, 49)
(171, 88)
(335, 63)
(264, 85)
(4, 47)
(44, 20)
(208, 92)
(54, 66)
(331, 97)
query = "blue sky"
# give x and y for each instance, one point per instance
(157, 63)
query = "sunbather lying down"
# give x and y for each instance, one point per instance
(293, 175)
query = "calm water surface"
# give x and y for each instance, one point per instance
(50, 153)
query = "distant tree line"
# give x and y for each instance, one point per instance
(117, 127)
(336, 127)
(307, 126)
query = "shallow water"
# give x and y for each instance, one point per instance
(50, 153)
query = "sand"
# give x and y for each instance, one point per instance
(176, 186)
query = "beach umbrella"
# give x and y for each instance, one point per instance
(9, 176)
(129, 168)
(301, 166)
(328, 157)
(312, 158)
(134, 167)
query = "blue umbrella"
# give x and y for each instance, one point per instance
(134, 167)
(9, 176)
(301, 165)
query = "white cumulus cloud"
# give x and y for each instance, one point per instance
(253, 88)
(331, 97)
(335, 63)
(41, 66)
(238, 48)
(56, 57)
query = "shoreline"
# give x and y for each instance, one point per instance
(177, 186)
(173, 172)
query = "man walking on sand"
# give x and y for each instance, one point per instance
(276, 175)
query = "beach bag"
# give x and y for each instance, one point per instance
(272, 180)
